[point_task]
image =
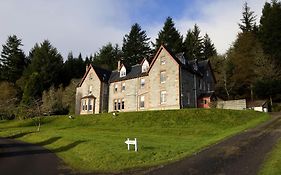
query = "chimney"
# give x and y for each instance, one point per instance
(119, 65)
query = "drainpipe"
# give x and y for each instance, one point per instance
(195, 91)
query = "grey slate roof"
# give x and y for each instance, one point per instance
(133, 72)
(103, 74)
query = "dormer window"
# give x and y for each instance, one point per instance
(145, 66)
(123, 71)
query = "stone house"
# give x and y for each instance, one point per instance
(168, 82)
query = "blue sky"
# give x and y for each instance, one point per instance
(85, 25)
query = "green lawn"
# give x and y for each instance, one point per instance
(96, 142)
(272, 164)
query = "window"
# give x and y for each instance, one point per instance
(142, 83)
(119, 104)
(90, 89)
(123, 86)
(162, 77)
(163, 60)
(85, 105)
(115, 105)
(123, 71)
(90, 105)
(145, 66)
(115, 87)
(123, 104)
(188, 98)
(163, 97)
(141, 101)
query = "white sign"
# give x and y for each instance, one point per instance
(132, 142)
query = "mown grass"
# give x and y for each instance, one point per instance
(96, 142)
(272, 163)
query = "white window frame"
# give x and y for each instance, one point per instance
(116, 87)
(115, 105)
(142, 102)
(142, 83)
(163, 77)
(123, 87)
(90, 104)
(123, 71)
(163, 97)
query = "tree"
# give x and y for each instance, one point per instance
(108, 56)
(209, 49)
(135, 46)
(48, 63)
(72, 68)
(170, 37)
(193, 46)
(13, 60)
(270, 26)
(248, 20)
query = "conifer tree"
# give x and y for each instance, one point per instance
(270, 26)
(193, 46)
(170, 37)
(135, 46)
(13, 60)
(248, 22)
(209, 49)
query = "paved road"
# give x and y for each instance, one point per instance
(240, 155)
(19, 158)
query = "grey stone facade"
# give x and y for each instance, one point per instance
(168, 82)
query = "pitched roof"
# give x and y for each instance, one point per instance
(256, 103)
(103, 74)
(134, 72)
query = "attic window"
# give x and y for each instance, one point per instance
(123, 71)
(91, 76)
(163, 60)
(145, 66)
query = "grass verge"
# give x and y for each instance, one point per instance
(272, 162)
(95, 143)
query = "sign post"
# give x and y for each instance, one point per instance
(132, 142)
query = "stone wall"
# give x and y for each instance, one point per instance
(232, 104)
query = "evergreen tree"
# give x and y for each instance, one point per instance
(270, 26)
(248, 20)
(135, 46)
(108, 56)
(209, 49)
(193, 46)
(170, 37)
(13, 60)
(46, 63)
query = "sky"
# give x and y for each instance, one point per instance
(86, 25)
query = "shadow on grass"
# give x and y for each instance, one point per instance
(49, 141)
(18, 148)
(19, 135)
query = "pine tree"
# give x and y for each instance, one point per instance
(135, 46)
(270, 26)
(108, 56)
(13, 60)
(248, 20)
(193, 46)
(209, 49)
(170, 37)
(47, 63)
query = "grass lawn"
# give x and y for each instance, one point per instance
(272, 164)
(96, 142)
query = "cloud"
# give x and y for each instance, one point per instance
(85, 25)
(218, 18)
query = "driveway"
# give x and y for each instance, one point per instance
(21, 158)
(242, 154)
